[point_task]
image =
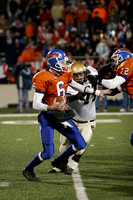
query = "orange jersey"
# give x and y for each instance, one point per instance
(51, 85)
(125, 70)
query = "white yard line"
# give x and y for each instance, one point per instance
(79, 188)
(114, 113)
(23, 122)
(108, 120)
(4, 184)
(36, 114)
(19, 115)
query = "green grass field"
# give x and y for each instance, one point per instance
(106, 167)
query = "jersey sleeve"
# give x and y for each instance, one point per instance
(125, 69)
(70, 75)
(38, 84)
(71, 91)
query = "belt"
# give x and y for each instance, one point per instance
(92, 120)
(81, 122)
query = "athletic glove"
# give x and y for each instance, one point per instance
(108, 67)
(93, 80)
(89, 89)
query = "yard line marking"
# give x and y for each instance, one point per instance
(108, 120)
(4, 184)
(78, 185)
(24, 122)
(20, 122)
(114, 113)
(110, 138)
(19, 115)
(36, 114)
(19, 139)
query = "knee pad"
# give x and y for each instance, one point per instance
(48, 151)
(86, 131)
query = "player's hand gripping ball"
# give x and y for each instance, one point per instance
(61, 100)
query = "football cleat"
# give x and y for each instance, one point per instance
(68, 170)
(30, 175)
(52, 171)
(62, 166)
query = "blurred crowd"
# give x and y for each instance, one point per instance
(89, 31)
(86, 30)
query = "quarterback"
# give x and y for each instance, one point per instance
(85, 113)
(53, 115)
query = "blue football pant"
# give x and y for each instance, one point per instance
(47, 135)
(47, 138)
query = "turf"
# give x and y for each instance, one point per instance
(106, 167)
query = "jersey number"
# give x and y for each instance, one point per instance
(60, 91)
(124, 71)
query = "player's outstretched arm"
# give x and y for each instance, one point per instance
(102, 92)
(113, 83)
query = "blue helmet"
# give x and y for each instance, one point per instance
(56, 59)
(121, 55)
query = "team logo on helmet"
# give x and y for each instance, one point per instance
(56, 54)
(123, 49)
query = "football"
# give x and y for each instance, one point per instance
(60, 99)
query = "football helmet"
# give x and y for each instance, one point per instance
(78, 68)
(121, 55)
(56, 59)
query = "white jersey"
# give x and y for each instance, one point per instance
(84, 112)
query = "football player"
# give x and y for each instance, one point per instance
(85, 114)
(123, 62)
(49, 84)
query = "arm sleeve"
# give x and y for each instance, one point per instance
(81, 88)
(37, 102)
(77, 86)
(113, 83)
